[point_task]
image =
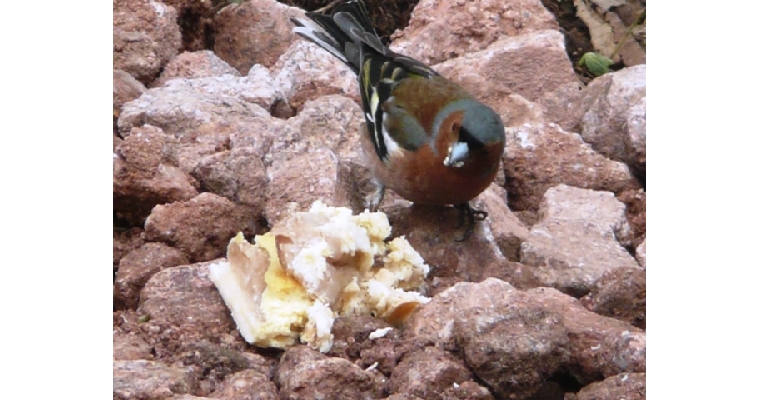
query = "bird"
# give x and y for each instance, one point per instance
(427, 139)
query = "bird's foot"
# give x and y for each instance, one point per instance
(472, 216)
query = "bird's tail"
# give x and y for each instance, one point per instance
(346, 33)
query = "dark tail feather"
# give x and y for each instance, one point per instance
(344, 33)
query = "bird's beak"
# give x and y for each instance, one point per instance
(458, 153)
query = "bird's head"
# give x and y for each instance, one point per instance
(475, 130)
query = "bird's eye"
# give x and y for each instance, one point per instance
(455, 127)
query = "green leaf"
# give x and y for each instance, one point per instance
(597, 64)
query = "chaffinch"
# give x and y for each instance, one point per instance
(428, 140)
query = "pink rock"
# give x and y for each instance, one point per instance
(428, 372)
(188, 107)
(443, 29)
(620, 293)
(254, 32)
(140, 265)
(629, 386)
(246, 385)
(577, 239)
(182, 302)
(466, 391)
(539, 156)
(202, 114)
(335, 122)
(144, 175)
(607, 107)
(635, 201)
(636, 133)
(238, 174)
(310, 375)
(125, 241)
(143, 379)
(641, 254)
(599, 346)
(534, 66)
(306, 72)
(301, 181)
(201, 227)
(199, 64)
(145, 37)
(130, 346)
(125, 89)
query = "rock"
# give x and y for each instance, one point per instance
(428, 372)
(432, 231)
(620, 293)
(221, 363)
(143, 379)
(201, 227)
(641, 254)
(629, 386)
(144, 175)
(238, 174)
(514, 349)
(307, 374)
(130, 346)
(534, 66)
(517, 274)
(635, 201)
(270, 138)
(125, 89)
(537, 157)
(606, 106)
(466, 391)
(441, 30)
(145, 37)
(555, 333)
(293, 356)
(204, 114)
(307, 72)
(254, 32)
(636, 138)
(183, 306)
(402, 396)
(335, 122)
(577, 239)
(198, 64)
(126, 321)
(185, 106)
(507, 230)
(434, 322)
(139, 265)
(125, 241)
(385, 352)
(599, 346)
(303, 179)
(246, 385)
(351, 335)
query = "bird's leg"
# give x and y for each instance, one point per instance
(376, 196)
(472, 215)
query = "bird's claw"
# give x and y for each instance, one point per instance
(472, 215)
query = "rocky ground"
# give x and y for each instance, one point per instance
(224, 120)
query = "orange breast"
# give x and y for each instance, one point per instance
(422, 178)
